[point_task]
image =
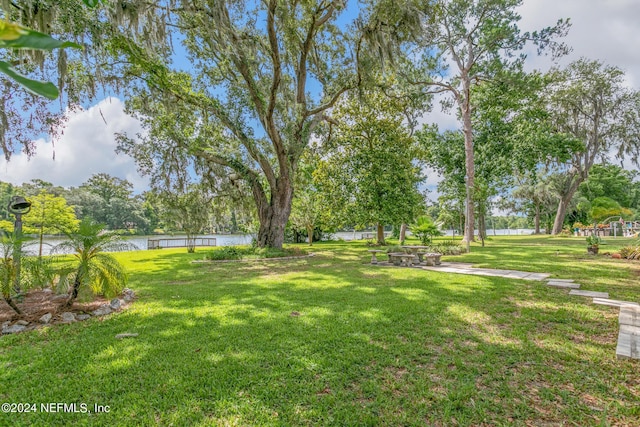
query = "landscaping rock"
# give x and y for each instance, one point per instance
(45, 318)
(60, 297)
(102, 310)
(126, 335)
(13, 329)
(115, 304)
(68, 317)
(82, 317)
(22, 323)
(128, 294)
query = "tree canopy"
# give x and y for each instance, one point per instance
(371, 170)
(460, 44)
(591, 102)
(262, 78)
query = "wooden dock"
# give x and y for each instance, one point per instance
(179, 242)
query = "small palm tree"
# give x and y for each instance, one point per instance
(425, 229)
(95, 267)
(7, 270)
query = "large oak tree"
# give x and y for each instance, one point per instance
(591, 102)
(261, 77)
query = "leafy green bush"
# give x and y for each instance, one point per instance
(593, 240)
(448, 249)
(251, 252)
(565, 233)
(225, 252)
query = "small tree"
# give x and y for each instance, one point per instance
(605, 207)
(49, 214)
(591, 102)
(189, 211)
(306, 212)
(370, 173)
(425, 229)
(94, 267)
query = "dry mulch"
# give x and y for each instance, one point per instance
(36, 303)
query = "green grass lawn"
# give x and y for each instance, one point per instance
(332, 340)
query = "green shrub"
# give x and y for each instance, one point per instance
(279, 253)
(252, 252)
(593, 240)
(447, 248)
(425, 229)
(225, 252)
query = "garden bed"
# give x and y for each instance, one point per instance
(39, 302)
(206, 261)
(43, 307)
(251, 253)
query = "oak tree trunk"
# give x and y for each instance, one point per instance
(536, 219)
(560, 214)
(403, 233)
(482, 227)
(467, 130)
(563, 205)
(381, 234)
(273, 216)
(310, 234)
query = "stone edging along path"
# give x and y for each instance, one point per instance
(629, 319)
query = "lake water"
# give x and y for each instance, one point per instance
(140, 242)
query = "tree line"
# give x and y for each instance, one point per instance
(294, 107)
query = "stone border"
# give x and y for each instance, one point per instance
(223, 261)
(66, 317)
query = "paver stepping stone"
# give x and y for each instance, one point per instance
(628, 342)
(553, 279)
(463, 268)
(613, 302)
(629, 315)
(519, 274)
(563, 284)
(592, 294)
(537, 276)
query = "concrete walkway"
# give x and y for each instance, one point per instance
(629, 320)
(462, 268)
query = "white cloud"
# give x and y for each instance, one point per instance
(86, 147)
(601, 30)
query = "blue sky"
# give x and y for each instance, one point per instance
(604, 30)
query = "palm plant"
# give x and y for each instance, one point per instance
(36, 272)
(94, 267)
(424, 229)
(7, 270)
